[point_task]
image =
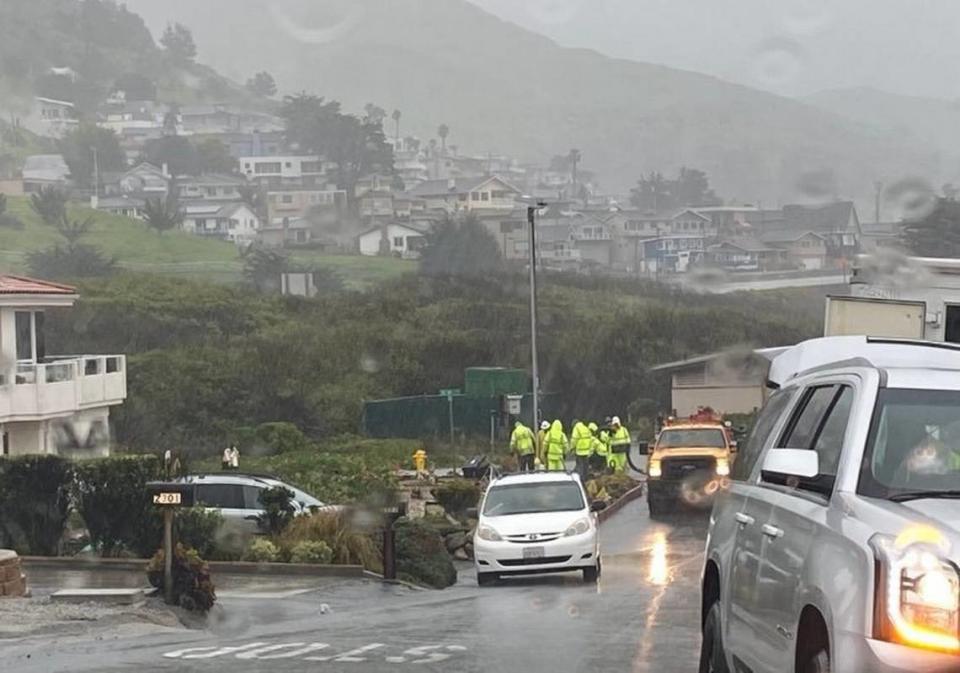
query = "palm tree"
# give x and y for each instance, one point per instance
(50, 204)
(443, 131)
(162, 214)
(396, 124)
(574, 157)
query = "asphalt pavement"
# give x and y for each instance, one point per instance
(642, 616)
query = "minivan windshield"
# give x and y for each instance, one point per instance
(533, 498)
(914, 444)
(682, 439)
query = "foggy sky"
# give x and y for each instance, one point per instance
(791, 47)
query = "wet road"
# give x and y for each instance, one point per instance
(643, 616)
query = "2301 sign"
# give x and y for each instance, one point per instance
(166, 498)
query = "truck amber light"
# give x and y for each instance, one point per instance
(919, 595)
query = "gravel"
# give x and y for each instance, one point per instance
(24, 617)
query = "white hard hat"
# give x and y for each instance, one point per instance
(545, 425)
(615, 420)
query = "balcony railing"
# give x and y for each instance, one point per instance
(62, 385)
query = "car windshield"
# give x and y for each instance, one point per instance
(699, 438)
(533, 498)
(914, 443)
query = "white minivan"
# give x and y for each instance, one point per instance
(536, 523)
(837, 546)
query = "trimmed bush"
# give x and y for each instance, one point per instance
(422, 556)
(308, 551)
(278, 509)
(198, 528)
(112, 498)
(261, 550)
(192, 586)
(34, 503)
(457, 495)
(349, 543)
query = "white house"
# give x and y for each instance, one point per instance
(281, 169)
(242, 224)
(234, 222)
(52, 118)
(45, 170)
(56, 404)
(484, 193)
(397, 239)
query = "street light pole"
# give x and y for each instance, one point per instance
(535, 365)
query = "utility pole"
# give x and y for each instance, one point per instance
(96, 177)
(535, 365)
(878, 190)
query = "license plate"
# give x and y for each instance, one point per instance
(532, 552)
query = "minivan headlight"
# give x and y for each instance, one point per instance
(489, 534)
(578, 527)
(917, 598)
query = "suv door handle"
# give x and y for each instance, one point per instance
(772, 531)
(744, 519)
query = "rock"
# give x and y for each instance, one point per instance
(455, 541)
(461, 555)
(468, 549)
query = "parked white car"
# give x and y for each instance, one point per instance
(536, 523)
(837, 546)
(237, 497)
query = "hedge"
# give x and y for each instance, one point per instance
(34, 503)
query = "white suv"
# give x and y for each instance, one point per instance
(536, 523)
(837, 545)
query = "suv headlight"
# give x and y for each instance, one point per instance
(654, 470)
(578, 527)
(917, 598)
(723, 467)
(489, 534)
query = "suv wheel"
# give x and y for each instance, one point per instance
(712, 657)
(818, 662)
(486, 579)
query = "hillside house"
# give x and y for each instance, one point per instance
(836, 222)
(51, 118)
(45, 170)
(805, 249)
(745, 254)
(144, 180)
(235, 222)
(126, 206)
(224, 118)
(277, 172)
(376, 206)
(299, 203)
(51, 404)
(211, 187)
(394, 238)
(467, 194)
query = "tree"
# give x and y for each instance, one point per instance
(262, 84)
(213, 156)
(71, 259)
(652, 193)
(657, 193)
(136, 86)
(178, 42)
(253, 197)
(374, 113)
(163, 214)
(88, 147)
(692, 188)
(262, 267)
(937, 234)
(6, 219)
(442, 132)
(50, 204)
(396, 124)
(574, 157)
(176, 152)
(464, 248)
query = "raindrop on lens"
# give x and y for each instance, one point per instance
(369, 364)
(806, 17)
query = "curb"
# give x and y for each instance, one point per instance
(621, 502)
(370, 575)
(227, 567)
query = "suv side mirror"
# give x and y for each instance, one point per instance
(472, 513)
(801, 463)
(598, 506)
(643, 448)
(734, 445)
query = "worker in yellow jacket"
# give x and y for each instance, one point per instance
(525, 444)
(542, 443)
(557, 446)
(582, 441)
(619, 445)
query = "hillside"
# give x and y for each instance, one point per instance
(917, 120)
(504, 89)
(139, 249)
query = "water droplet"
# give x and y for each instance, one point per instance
(369, 364)
(704, 278)
(300, 30)
(807, 17)
(777, 61)
(553, 12)
(911, 198)
(820, 184)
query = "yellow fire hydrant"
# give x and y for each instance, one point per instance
(420, 460)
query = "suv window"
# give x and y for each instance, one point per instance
(224, 496)
(830, 442)
(251, 497)
(766, 420)
(803, 427)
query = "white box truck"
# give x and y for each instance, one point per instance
(894, 318)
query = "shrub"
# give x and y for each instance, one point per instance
(422, 556)
(261, 550)
(194, 527)
(192, 587)
(281, 437)
(34, 503)
(349, 542)
(609, 486)
(278, 509)
(316, 551)
(457, 495)
(112, 498)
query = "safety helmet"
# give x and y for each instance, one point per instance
(615, 420)
(545, 425)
